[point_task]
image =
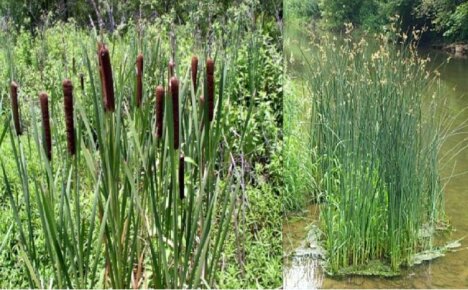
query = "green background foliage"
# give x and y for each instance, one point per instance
(446, 19)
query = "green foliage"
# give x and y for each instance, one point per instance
(446, 18)
(301, 9)
(253, 258)
(249, 77)
(378, 139)
(337, 12)
(457, 26)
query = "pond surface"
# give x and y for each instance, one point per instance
(450, 271)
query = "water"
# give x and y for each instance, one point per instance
(450, 271)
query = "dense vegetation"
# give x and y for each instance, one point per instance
(362, 140)
(208, 218)
(447, 20)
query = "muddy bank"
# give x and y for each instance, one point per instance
(455, 49)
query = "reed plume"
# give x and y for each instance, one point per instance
(15, 107)
(175, 109)
(69, 122)
(210, 87)
(139, 84)
(107, 80)
(181, 176)
(44, 101)
(159, 111)
(194, 71)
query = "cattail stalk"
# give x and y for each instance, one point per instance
(69, 122)
(210, 87)
(107, 79)
(175, 109)
(44, 101)
(181, 176)
(194, 72)
(159, 111)
(15, 107)
(73, 65)
(139, 80)
(170, 70)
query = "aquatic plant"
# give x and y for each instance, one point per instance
(378, 137)
(147, 199)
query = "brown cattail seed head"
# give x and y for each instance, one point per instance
(108, 82)
(139, 84)
(101, 74)
(159, 111)
(175, 109)
(15, 107)
(210, 87)
(69, 122)
(194, 72)
(44, 101)
(82, 81)
(181, 176)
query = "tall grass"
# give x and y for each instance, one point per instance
(134, 196)
(378, 134)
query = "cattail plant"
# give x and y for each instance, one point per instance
(44, 102)
(15, 107)
(159, 111)
(141, 212)
(194, 71)
(210, 87)
(181, 176)
(139, 80)
(175, 109)
(69, 122)
(107, 79)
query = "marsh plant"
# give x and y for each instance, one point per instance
(138, 183)
(377, 134)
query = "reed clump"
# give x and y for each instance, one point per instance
(377, 137)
